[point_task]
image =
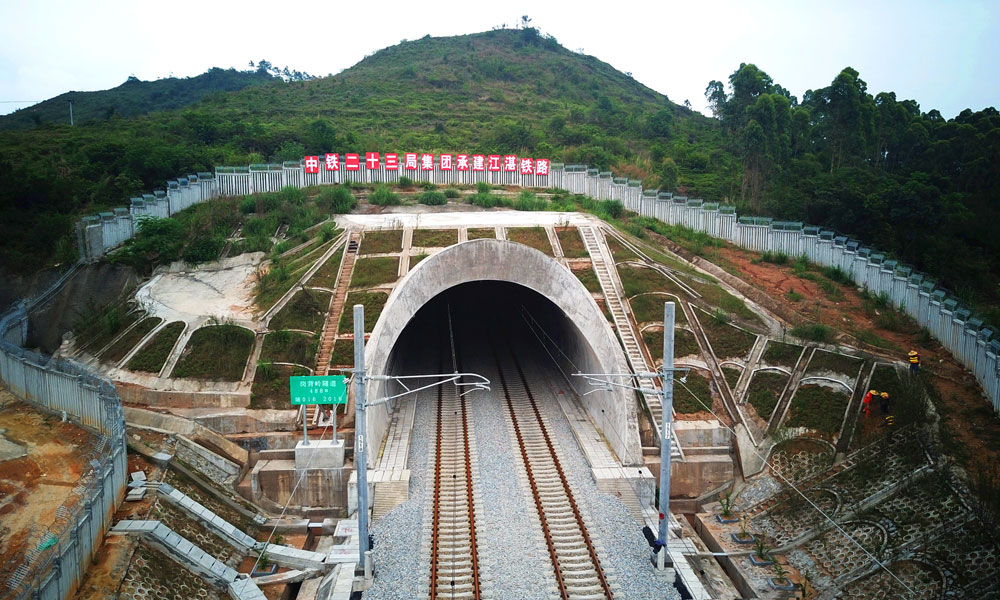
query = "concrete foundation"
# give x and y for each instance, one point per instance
(319, 454)
(708, 461)
(273, 482)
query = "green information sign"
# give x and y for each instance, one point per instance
(331, 389)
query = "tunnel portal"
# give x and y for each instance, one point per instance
(485, 293)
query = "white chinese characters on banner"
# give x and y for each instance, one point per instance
(508, 163)
(332, 162)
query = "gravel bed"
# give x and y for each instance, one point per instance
(397, 534)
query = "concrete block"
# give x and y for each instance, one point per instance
(320, 454)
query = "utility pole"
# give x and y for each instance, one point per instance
(609, 381)
(360, 430)
(666, 432)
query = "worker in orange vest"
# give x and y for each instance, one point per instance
(914, 361)
(868, 401)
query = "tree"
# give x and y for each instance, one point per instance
(715, 93)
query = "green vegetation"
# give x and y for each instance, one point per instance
(732, 375)
(432, 198)
(684, 343)
(713, 294)
(619, 251)
(271, 386)
(373, 302)
(132, 98)
(764, 391)
(151, 357)
(369, 272)
(343, 353)
(838, 363)
(417, 258)
(779, 354)
(306, 311)
(326, 276)
(571, 242)
(434, 238)
(384, 196)
(814, 332)
(527, 201)
(452, 193)
(95, 326)
(642, 280)
(289, 347)
(337, 199)
(793, 296)
(589, 280)
(696, 384)
(865, 163)
(275, 282)
(482, 232)
(124, 345)
(536, 237)
(727, 341)
(382, 242)
(777, 258)
(648, 308)
(818, 407)
(216, 353)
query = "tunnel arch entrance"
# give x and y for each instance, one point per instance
(573, 321)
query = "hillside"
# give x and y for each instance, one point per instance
(134, 97)
(869, 165)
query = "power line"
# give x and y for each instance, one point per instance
(806, 498)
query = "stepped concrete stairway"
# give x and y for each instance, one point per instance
(600, 255)
(332, 323)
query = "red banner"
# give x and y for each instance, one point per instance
(371, 160)
(352, 162)
(392, 162)
(508, 163)
(311, 164)
(332, 162)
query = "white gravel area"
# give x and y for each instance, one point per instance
(761, 488)
(397, 534)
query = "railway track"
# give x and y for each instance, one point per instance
(454, 556)
(575, 561)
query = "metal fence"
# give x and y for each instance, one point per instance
(57, 555)
(975, 344)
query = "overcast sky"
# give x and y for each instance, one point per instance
(941, 53)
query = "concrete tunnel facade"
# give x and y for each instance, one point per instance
(586, 336)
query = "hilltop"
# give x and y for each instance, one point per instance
(132, 98)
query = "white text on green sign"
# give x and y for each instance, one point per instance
(330, 389)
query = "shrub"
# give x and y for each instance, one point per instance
(451, 193)
(383, 196)
(816, 333)
(482, 188)
(529, 201)
(777, 258)
(404, 182)
(204, 248)
(327, 232)
(837, 275)
(428, 185)
(612, 208)
(337, 199)
(432, 198)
